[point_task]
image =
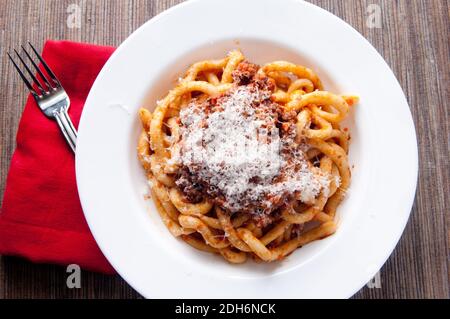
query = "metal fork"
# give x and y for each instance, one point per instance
(48, 93)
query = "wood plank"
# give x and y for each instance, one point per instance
(413, 40)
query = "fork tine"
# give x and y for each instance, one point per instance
(25, 80)
(47, 68)
(30, 73)
(41, 74)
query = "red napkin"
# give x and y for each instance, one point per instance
(41, 217)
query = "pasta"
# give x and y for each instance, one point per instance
(247, 161)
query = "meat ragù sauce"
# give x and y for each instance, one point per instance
(241, 151)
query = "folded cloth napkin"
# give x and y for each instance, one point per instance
(41, 217)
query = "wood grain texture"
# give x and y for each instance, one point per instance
(414, 40)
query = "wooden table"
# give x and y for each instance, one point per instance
(414, 40)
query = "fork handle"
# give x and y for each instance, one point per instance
(67, 128)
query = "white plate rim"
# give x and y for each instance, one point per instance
(90, 217)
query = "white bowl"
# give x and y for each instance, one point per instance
(383, 151)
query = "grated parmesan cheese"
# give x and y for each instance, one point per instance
(235, 147)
